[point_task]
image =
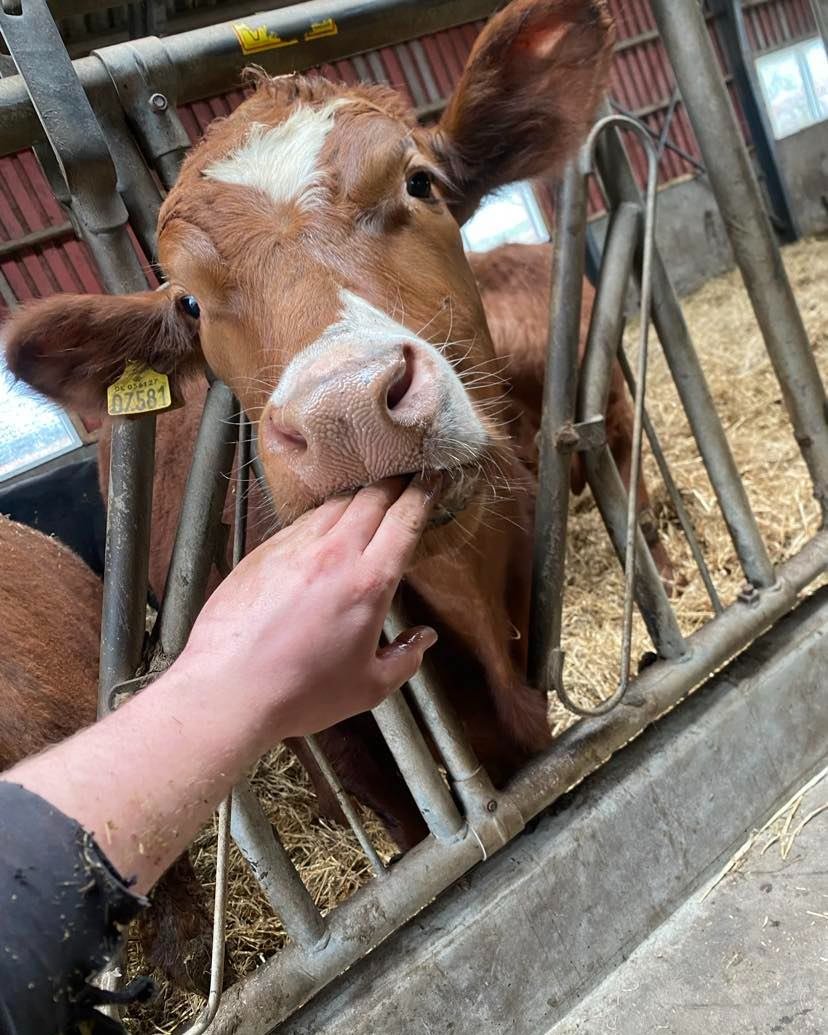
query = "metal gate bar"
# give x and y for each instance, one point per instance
(691, 384)
(418, 768)
(608, 311)
(731, 174)
(196, 540)
(346, 804)
(257, 1003)
(559, 396)
(469, 780)
(673, 492)
(207, 61)
(265, 854)
(732, 37)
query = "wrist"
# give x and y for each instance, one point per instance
(213, 696)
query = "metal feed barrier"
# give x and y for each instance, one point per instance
(106, 160)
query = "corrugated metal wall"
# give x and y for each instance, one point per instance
(38, 255)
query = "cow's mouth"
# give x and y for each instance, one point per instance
(457, 491)
(459, 487)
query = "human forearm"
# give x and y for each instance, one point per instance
(146, 779)
(286, 646)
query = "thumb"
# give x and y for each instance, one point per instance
(400, 660)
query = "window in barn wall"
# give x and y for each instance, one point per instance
(32, 430)
(511, 215)
(794, 83)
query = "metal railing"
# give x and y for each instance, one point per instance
(123, 126)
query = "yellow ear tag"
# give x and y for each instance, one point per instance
(140, 389)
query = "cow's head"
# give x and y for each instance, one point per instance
(314, 261)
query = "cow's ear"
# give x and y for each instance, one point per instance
(527, 97)
(72, 347)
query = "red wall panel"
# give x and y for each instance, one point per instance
(425, 71)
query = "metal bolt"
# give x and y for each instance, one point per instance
(158, 102)
(491, 806)
(567, 438)
(749, 595)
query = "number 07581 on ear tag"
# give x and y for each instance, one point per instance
(140, 389)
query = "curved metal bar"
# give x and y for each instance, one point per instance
(586, 165)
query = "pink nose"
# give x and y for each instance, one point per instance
(346, 420)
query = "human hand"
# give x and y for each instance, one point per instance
(293, 632)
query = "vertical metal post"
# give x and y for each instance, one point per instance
(271, 865)
(620, 185)
(684, 33)
(349, 810)
(559, 395)
(201, 510)
(730, 21)
(469, 780)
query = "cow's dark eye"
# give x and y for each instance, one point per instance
(190, 306)
(418, 185)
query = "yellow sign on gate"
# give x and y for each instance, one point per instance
(254, 39)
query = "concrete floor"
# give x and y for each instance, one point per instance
(748, 955)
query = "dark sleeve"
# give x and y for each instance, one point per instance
(61, 909)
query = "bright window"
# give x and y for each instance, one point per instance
(32, 430)
(794, 83)
(511, 215)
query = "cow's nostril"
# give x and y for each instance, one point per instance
(398, 389)
(285, 435)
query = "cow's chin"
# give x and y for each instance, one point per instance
(460, 504)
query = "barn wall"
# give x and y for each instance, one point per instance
(39, 255)
(690, 234)
(804, 159)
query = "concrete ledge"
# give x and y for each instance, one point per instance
(524, 936)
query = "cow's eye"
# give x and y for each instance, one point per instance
(418, 184)
(190, 306)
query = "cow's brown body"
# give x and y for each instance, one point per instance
(50, 608)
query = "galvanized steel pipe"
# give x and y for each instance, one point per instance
(691, 385)
(419, 770)
(272, 868)
(196, 538)
(607, 322)
(208, 61)
(256, 1004)
(684, 33)
(559, 395)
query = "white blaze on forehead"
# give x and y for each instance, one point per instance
(282, 161)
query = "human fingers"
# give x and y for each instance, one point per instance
(392, 547)
(400, 661)
(367, 510)
(321, 519)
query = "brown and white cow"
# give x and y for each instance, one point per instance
(314, 261)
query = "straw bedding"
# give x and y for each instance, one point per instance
(749, 403)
